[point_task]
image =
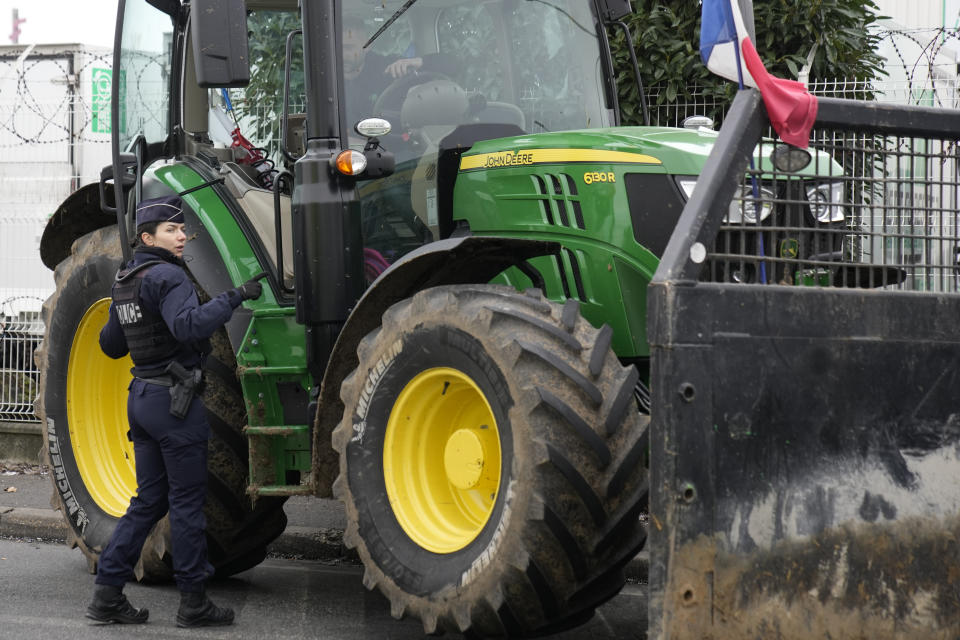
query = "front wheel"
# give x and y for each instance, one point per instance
(491, 462)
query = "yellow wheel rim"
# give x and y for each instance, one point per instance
(97, 415)
(441, 460)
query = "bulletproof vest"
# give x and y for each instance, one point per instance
(150, 342)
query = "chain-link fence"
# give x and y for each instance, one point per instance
(941, 93)
(21, 330)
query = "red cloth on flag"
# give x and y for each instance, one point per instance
(791, 108)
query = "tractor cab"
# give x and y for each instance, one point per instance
(443, 74)
(449, 74)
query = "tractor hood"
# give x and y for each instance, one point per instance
(669, 150)
(674, 151)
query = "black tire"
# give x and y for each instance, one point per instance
(573, 482)
(237, 534)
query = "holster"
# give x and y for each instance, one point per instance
(187, 383)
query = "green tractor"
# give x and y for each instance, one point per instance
(452, 337)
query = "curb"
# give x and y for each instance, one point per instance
(24, 522)
(304, 543)
(295, 542)
(21, 442)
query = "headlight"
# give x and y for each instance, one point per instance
(825, 201)
(744, 208)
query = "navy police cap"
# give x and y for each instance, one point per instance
(166, 209)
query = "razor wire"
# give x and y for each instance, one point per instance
(921, 70)
(41, 100)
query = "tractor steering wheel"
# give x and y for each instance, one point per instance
(391, 99)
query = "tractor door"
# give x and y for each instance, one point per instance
(140, 101)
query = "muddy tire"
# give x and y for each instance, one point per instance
(82, 404)
(492, 462)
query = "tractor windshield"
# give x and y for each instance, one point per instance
(444, 70)
(534, 64)
(513, 67)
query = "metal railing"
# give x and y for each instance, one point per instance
(54, 137)
(870, 210)
(804, 424)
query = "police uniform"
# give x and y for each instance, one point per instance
(157, 318)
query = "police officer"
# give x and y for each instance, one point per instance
(157, 318)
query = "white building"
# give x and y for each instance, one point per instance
(54, 138)
(918, 14)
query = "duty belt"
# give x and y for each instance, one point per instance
(162, 381)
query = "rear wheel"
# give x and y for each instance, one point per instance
(491, 462)
(82, 402)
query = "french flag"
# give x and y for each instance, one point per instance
(727, 51)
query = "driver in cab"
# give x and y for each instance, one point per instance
(366, 73)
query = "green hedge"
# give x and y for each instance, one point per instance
(666, 37)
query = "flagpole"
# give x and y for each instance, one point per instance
(746, 12)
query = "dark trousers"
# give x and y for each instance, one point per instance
(171, 460)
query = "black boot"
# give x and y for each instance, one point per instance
(110, 605)
(196, 610)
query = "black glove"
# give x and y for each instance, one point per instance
(251, 289)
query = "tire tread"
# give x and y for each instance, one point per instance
(581, 522)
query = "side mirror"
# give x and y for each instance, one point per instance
(613, 10)
(218, 29)
(127, 180)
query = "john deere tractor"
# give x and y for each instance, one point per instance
(459, 238)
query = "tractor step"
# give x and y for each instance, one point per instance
(285, 430)
(279, 457)
(261, 371)
(280, 490)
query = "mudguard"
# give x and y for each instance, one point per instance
(804, 439)
(78, 215)
(468, 259)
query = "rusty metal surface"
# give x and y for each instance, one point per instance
(876, 581)
(805, 481)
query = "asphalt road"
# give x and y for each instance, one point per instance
(44, 589)
(33, 488)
